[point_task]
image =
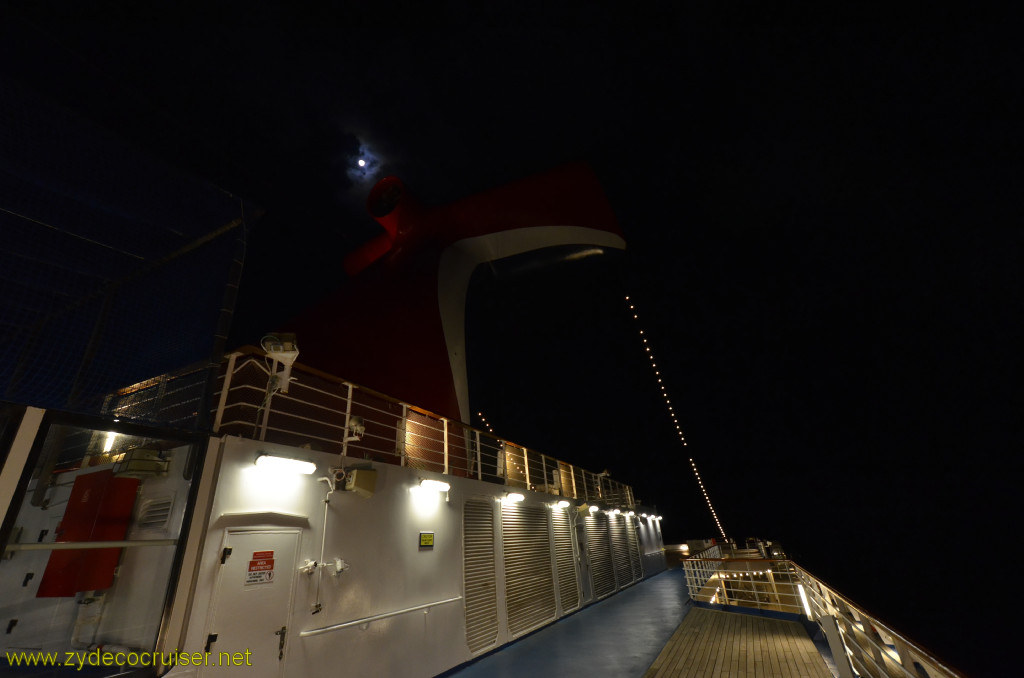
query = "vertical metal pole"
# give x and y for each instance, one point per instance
(17, 457)
(403, 426)
(479, 466)
(224, 391)
(753, 587)
(445, 446)
(544, 470)
(348, 417)
(526, 467)
(269, 398)
(572, 475)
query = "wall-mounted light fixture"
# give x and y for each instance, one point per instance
(560, 504)
(630, 514)
(438, 485)
(615, 512)
(512, 498)
(594, 508)
(269, 462)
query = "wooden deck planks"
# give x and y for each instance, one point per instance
(713, 644)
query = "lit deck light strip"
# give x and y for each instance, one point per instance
(672, 413)
(269, 462)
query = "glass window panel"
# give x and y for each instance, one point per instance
(88, 486)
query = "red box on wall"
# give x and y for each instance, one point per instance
(99, 509)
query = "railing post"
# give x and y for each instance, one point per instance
(479, 465)
(224, 392)
(835, 644)
(771, 580)
(572, 475)
(445, 446)
(403, 426)
(348, 418)
(526, 468)
(906, 661)
(544, 471)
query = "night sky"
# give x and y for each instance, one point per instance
(824, 245)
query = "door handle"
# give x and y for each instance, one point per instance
(280, 643)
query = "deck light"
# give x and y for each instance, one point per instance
(269, 462)
(630, 514)
(616, 512)
(439, 485)
(803, 599)
(594, 509)
(512, 498)
(562, 504)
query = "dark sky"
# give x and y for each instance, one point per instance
(823, 221)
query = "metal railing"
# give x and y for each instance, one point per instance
(332, 415)
(872, 648)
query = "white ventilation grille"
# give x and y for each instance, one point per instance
(565, 562)
(529, 584)
(634, 550)
(155, 513)
(620, 552)
(478, 572)
(600, 553)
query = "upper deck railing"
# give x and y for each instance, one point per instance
(327, 413)
(872, 648)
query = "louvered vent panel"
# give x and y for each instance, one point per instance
(565, 562)
(620, 552)
(634, 550)
(529, 586)
(155, 513)
(478, 572)
(600, 552)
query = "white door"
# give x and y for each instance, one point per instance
(252, 603)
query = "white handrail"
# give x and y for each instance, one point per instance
(376, 617)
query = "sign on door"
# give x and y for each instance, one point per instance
(261, 568)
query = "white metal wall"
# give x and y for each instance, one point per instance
(399, 609)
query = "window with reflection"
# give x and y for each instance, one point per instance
(62, 591)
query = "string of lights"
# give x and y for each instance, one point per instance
(672, 412)
(487, 424)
